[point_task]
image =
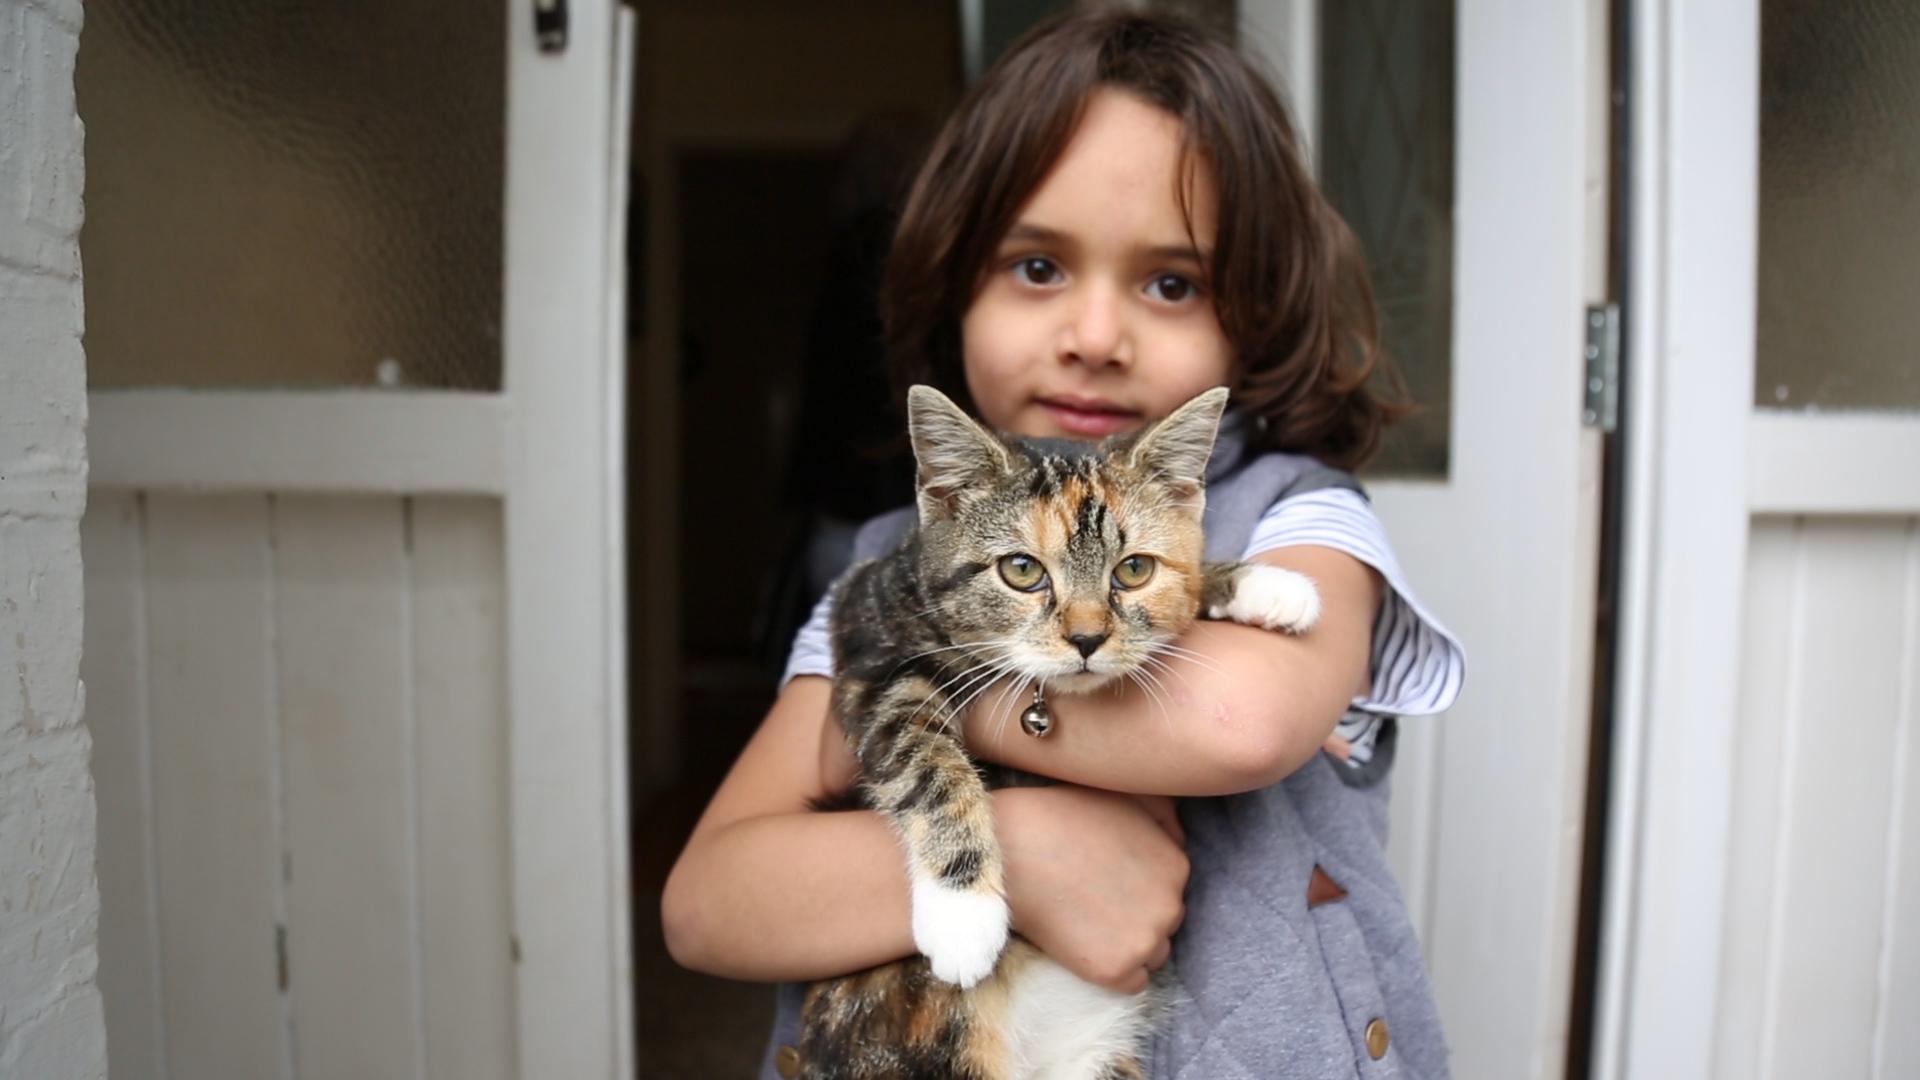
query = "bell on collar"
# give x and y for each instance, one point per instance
(1037, 720)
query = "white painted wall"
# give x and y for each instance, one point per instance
(50, 1012)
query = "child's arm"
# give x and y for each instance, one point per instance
(768, 890)
(1257, 707)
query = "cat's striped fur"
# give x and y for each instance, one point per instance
(1025, 566)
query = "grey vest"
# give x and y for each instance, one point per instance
(1269, 987)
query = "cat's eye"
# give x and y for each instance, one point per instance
(1023, 572)
(1133, 571)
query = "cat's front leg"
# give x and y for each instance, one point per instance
(922, 780)
(1270, 597)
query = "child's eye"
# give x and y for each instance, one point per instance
(1171, 288)
(1037, 271)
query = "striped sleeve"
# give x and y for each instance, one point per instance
(1418, 665)
(812, 653)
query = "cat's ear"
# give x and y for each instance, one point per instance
(953, 452)
(1175, 451)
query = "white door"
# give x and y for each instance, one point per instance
(1488, 801)
(1764, 863)
(358, 654)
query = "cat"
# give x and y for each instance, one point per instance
(1033, 560)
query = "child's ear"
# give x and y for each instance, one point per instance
(1174, 451)
(953, 452)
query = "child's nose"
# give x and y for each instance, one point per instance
(1096, 331)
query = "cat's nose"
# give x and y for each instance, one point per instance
(1086, 643)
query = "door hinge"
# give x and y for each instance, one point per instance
(1601, 408)
(550, 24)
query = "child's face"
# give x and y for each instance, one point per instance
(1092, 320)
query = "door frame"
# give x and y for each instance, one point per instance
(564, 348)
(1688, 331)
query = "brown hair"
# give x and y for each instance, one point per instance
(1288, 280)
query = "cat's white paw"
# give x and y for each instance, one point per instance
(1274, 599)
(961, 932)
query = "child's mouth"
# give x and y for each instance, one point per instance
(1094, 419)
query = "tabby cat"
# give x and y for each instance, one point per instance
(1039, 561)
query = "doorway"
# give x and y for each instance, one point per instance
(761, 423)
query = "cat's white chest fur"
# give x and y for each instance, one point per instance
(1061, 1027)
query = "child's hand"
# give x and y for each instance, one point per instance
(1095, 879)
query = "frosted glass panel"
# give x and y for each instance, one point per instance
(293, 194)
(1839, 288)
(1386, 161)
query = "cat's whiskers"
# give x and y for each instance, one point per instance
(941, 672)
(1144, 680)
(905, 660)
(994, 650)
(946, 690)
(939, 689)
(957, 709)
(1003, 662)
(1008, 696)
(999, 658)
(946, 665)
(1184, 653)
(973, 689)
(1161, 665)
(1009, 692)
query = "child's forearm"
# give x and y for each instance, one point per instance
(789, 897)
(1094, 879)
(1198, 732)
(1246, 711)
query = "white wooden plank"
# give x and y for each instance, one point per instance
(292, 441)
(113, 666)
(1825, 942)
(1767, 667)
(217, 852)
(459, 665)
(341, 578)
(1833, 463)
(1896, 1051)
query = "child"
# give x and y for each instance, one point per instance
(1115, 219)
